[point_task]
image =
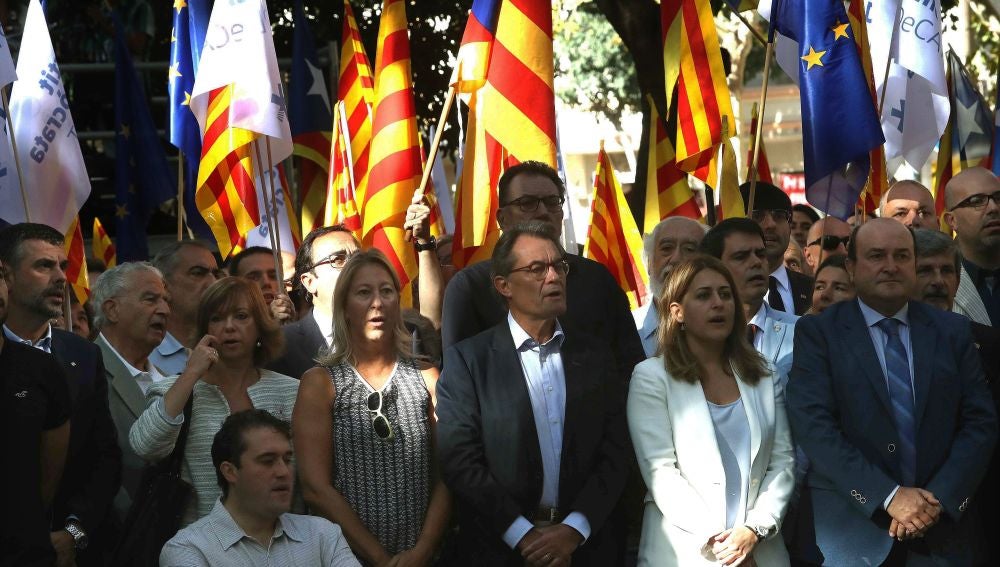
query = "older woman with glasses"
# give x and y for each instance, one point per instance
(707, 418)
(223, 375)
(364, 426)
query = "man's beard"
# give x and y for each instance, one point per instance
(37, 303)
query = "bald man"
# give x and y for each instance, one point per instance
(672, 241)
(973, 213)
(910, 203)
(827, 237)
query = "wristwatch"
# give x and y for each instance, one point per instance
(80, 539)
(761, 532)
(430, 245)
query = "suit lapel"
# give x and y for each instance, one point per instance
(515, 385)
(923, 343)
(574, 369)
(968, 301)
(750, 406)
(859, 341)
(61, 350)
(773, 335)
(122, 381)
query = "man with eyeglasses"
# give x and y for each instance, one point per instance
(827, 237)
(533, 191)
(531, 422)
(910, 203)
(972, 210)
(788, 291)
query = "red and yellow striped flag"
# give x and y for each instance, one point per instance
(763, 167)
(395, 148)
(612, 237)
(341, 205)
(667, 191)
(731, 203)
(76, 266)
(693, 64)
(356, 91)
(504, 72)
(104, 250)
(226, 196)
(878, 181)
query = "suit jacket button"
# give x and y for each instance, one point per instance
(864, 500)
(891, 447)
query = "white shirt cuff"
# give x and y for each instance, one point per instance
(888, 500)
(579, 522)
(516, 532)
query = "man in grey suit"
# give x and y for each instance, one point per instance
(131, 313)
(739, 244)
(972, 210)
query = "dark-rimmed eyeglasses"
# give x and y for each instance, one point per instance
(830, 242)
(529, 204)
(380, 423)
(778, 215)
(538, 270)
(338, 260)
(978, 201)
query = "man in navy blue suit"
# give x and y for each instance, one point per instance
(887, 399)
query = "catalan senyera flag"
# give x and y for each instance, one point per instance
(104, 249)
(76, 257)
(667, 191)
(731, 204)
(613, 238)
(693, 64)
(395, 148)
(504, 73)
(878, 181)
(763, 167)
(341, 205)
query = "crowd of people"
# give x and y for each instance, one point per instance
(797, 391)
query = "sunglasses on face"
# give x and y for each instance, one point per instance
(380, 423)
(529, 204)
(978, 201)
(831, 242)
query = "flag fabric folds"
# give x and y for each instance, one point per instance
(76, 261)
(693, 65)
(10, 184)
(340, 206)
(878, 181)
(311, 119)
(190, 22)
(731, 204)
(395, 148)
(613, 238)
(143, 179)
(51, 160)
(667, 191)
(763, 167)
(288, 225)
(840, 125)
(101, 244)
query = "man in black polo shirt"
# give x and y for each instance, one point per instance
(34, 417)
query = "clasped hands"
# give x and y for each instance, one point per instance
(549, 546)
(732, 546)
(913, 512)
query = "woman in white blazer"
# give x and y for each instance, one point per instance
(707, 418)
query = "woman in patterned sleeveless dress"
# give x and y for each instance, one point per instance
(364, 426)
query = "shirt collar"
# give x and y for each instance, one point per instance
(781, 274)
(128, 366)
(760, 317)
(44, 343)
(325, 325)
(873, 317)
(230, 533)
(169, 346)
(522, 338)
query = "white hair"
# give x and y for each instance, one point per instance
(112, 283)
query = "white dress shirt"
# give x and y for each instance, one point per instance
(169, 356)
(144, 378)
(43, 344)
(325, 325)
(784, 289)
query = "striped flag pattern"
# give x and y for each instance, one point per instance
(667, 191)
(878, 181)
(104, 249)
(76, 266)
(613, 238)
(693, 64)
(356, 93)
(763, 167)
(395, 148)
(340, 206)
(731, 203)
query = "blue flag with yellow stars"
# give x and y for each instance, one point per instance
(186, 41)
(839, 122)
(143, 179)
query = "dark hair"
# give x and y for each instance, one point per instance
(714, 243)
(503, 252)
(12, 238)
(96, 265)
(234, 262)
(852, 245)
(928, 242)
(221, 297)
(303, 257)
(672, 341)
(230, 442)
(166, 259)
(807, 211)
(529, 167)
(836, 261)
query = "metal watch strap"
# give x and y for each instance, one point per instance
(80, 539)
(431, 244)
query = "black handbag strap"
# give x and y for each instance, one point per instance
(177, 455)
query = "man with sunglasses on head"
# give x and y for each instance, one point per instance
(531, 423)
(533, 191)
(827, 237)
(788, 291)
(972, 210)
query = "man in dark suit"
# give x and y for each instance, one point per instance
(531, 425)
(81, 526)
(533, 191)
(788, 291)
(888, 401)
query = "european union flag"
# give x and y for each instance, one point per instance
(186, 42)
(310, 109)
(839, 122)
(142, 178)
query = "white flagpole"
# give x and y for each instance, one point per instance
(17, 159)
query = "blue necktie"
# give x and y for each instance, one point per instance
(897, 367)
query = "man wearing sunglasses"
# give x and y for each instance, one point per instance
(827, 237)
(788, 291)
(531, 423)
(972, 210)
(533, 191)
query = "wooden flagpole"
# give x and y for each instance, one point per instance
(752, 174)
(432, 152)
(180, 195)
(275, 227)
(13, 146)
